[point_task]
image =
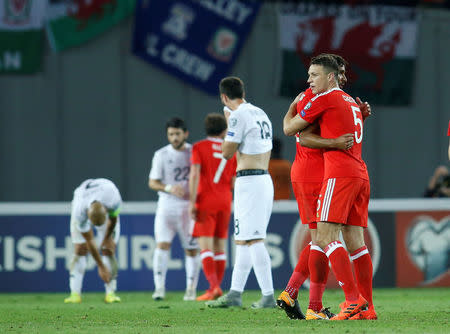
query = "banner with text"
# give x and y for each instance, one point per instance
(195, 40)
(21, 35)
(37, 248)
(379, 43)
(74, 22)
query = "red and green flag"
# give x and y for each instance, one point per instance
(75, 22)
(378, 41)
(21, 35)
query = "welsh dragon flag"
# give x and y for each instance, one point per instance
(21, 35)
(74, 22)
(378, 41)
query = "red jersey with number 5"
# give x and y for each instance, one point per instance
(216, 174)
(338, 114)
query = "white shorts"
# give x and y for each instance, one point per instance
(253, 201)
(172, 221)
(77, 237)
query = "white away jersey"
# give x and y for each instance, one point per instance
(172, 167)
(250, 126)
(91, 190)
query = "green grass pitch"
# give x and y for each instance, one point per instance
(399, 311)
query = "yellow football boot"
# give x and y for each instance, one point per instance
(74, 298)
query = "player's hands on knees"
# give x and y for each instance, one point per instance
(108, 246)
(177, 190)
(345, 141)
(364, 107)
(104, 274)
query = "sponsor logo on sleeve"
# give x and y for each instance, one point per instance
(233, 122)
(229, 133)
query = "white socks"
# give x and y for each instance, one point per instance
(261, 265)
(192, 264)
(241, 269)
(77, 269)
(112, 285)
(160, 262)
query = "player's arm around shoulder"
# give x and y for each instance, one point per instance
(292, 122)
(309, 138)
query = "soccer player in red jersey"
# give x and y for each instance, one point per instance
(306, 177)
(344, 197)
(210, 182)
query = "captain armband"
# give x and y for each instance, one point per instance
(114, 213)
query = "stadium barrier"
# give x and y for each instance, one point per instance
(409, 240)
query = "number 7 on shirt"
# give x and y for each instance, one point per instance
(221, 166)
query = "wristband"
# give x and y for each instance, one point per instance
(168, 188)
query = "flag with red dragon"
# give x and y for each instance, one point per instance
(378, 41)
(74, 22)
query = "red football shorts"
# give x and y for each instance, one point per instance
(306, 194)
(344, 200)
(212, 224)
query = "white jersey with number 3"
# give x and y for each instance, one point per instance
(171, 166)
(250, 126)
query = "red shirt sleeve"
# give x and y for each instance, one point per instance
(195, 155)
(314, 109)
(308, 95)
(448, 131)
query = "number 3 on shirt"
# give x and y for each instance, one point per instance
(221, 166)
(357, 122)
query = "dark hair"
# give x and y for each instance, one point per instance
(328, 61)
(233, 87)
(177, 123)
(340, 60)
(215, 124)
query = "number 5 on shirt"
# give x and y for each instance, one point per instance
(358, 121)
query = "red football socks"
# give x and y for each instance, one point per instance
(319, 269)
(340, 263)
(220, 260)
(364, 272)
(209, 268)
(300, 274)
